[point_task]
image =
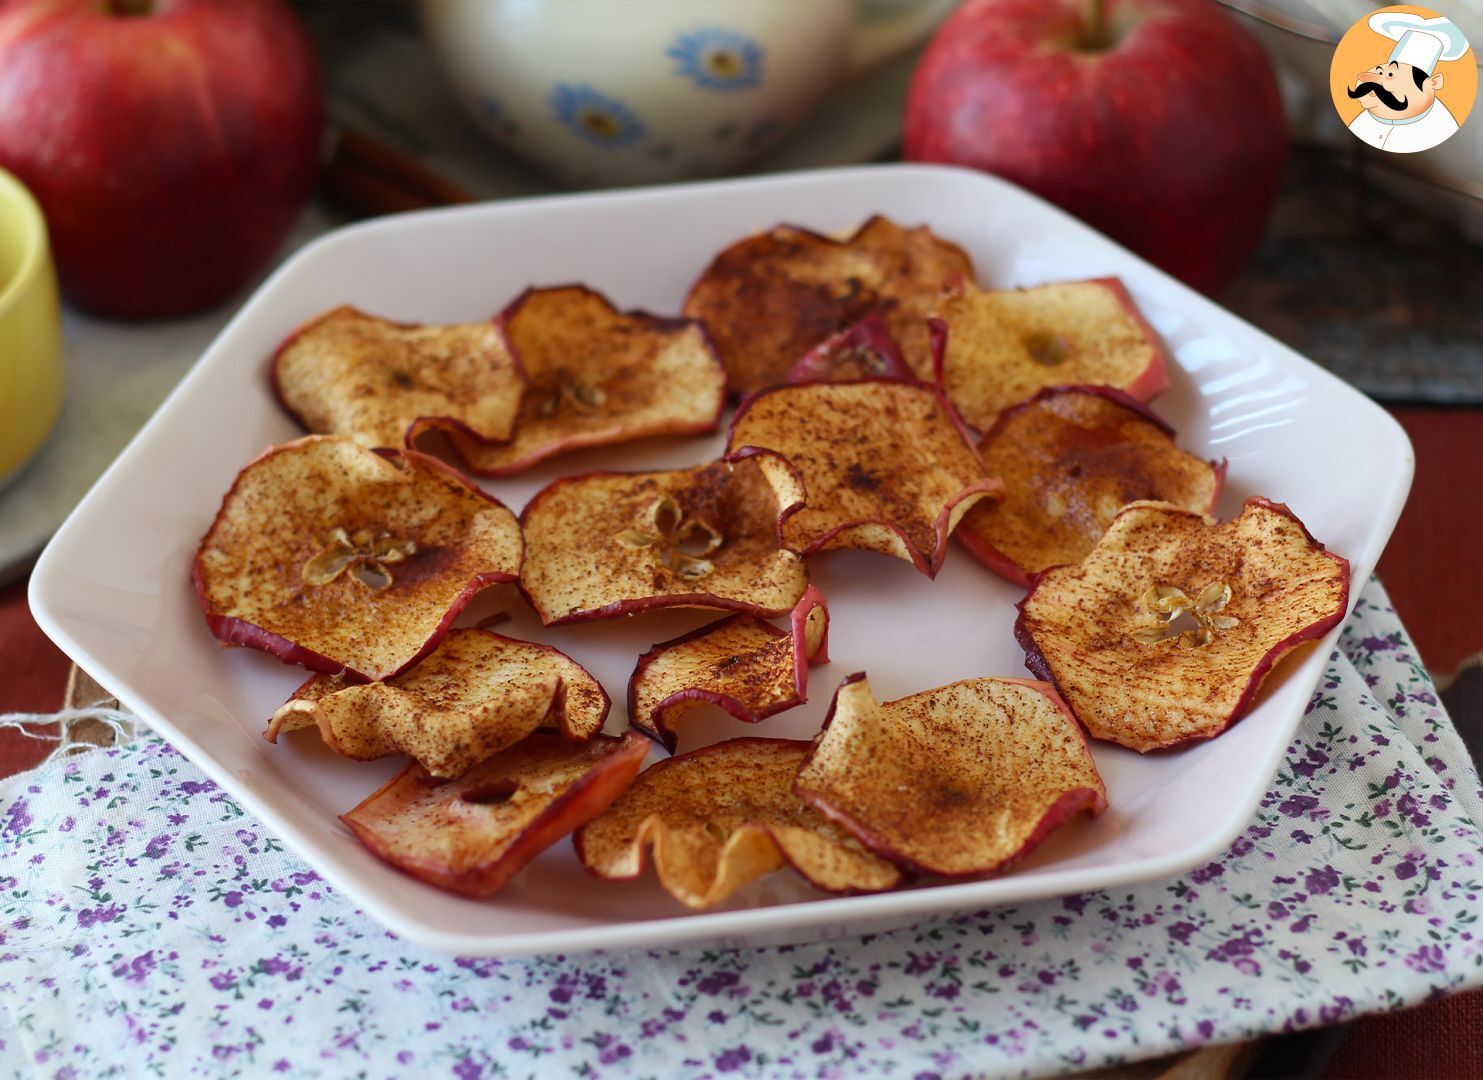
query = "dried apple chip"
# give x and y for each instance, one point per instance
(721, 817)
(741, 664)
(609, 543)
(768, 299)
(349, 373)
(959, 781)
(995, 348)
(1071, 457)
(864, 351)
(471, 835)
(336, 557)
(597, 376)
(475, 694)
(1163, 634)
(885, 465)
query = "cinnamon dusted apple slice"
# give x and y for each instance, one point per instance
(772, 297)
(609, 543)
(1164, 633)
(995, 348)
(721, 817)
(864, 351)
(475, 694)
(741, 664)
(336, 557)
(962, 780)
(1071, 457)
(349, 373)
(597, 376)
(885, 464)
(471, 835)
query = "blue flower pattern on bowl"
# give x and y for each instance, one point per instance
(718, 59)
(597, 118)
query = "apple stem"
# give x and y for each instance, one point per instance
(1095, 37)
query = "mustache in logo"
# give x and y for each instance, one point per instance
(1389, 100)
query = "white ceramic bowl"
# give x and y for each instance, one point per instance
(646, 91)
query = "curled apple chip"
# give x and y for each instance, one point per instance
(337, 557)
(349, 373)
(1071, 457)
(995, 348)
(609, 543)
(768, 299)
(1164, 633)
(741, 664)
(471, 835)
(959, 781)
(475, 694)
(885, 465)
(864, 351)
(722, 816)
(597, 375)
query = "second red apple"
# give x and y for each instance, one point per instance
(1157, 121)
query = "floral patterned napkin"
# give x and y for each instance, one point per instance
(149, 925)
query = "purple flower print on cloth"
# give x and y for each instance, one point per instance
(166, 932)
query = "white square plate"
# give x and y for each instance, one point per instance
(113, 587)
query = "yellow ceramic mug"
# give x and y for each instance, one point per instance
(30, 329)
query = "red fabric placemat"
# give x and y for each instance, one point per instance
(1430, 568)
(33, 678)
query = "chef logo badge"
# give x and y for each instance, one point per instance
(1403, 79)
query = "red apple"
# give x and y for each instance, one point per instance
(1156, 121)
(171, 143)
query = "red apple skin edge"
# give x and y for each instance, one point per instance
(797, 627)
(646, 853)
(648, 318)
(926, 562)
(636, 605)
(232, 631)
(1001, 563)
(1039, 666)
(1164, 128)
(1066, 806)
(171, 150)
(1144, 387)
(579, 804)
(868, 335)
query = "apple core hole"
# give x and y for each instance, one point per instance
(1183, 623)
(1047, 348)
(130, 9)
(667, 517)
(1097, 33)
(371, 576)
(494, 793)
(695, 542)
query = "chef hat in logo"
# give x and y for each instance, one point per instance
(1419, 42)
